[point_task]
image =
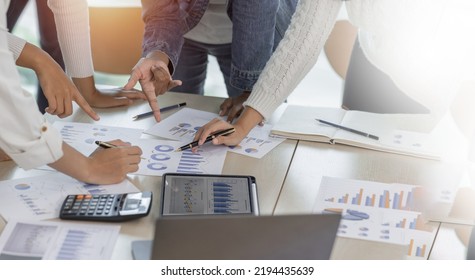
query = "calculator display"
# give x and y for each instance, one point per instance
(131, 204)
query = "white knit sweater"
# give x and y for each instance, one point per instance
(296, 54)
(72, 24)
(425, 46)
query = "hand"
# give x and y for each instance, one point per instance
(60, 92)
(106, 98)
(103, 166)
(246, 122)
(218, 125)
(232, 106)
(57, 87)
(108, 166)
(153, 75)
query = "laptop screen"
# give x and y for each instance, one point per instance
(302, 237)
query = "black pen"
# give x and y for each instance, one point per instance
(350, 130)
(107, 145)
(164, 109)
(209, 138)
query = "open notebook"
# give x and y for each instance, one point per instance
(300, 122)
(224, 237)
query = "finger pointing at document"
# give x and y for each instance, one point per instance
(154, 77)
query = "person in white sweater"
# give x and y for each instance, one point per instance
(429, 59)
(30, 141)
(72, 23)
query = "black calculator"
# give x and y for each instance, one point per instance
(106, 207)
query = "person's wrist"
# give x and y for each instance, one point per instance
(85, 86)
(160, 59)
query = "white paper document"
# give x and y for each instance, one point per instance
(41, 197)
(183, 125)
(82, 136)
(377, 212)
(159, 157)
(57, 241)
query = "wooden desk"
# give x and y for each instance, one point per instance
(288, 182)
(269, 171)
(313, 160)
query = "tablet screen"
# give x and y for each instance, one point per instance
(198, 194)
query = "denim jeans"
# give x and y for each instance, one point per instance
(192, 67)
(258, 26)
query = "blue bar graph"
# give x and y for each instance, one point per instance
(222, 198)
(70, 249)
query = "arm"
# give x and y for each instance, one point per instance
(26, 136)
(296, 54)
(72, 24)
(258, 27)
(294, 57)
(166, 21)
(31, 141)
(58, 88)
(104, 166)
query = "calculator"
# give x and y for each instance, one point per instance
(106, 207)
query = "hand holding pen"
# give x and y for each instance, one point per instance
(208, 139)
(107, 145)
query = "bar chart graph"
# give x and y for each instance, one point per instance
(223, 198)
(159, 157)
(190, 162)
(206, 195)
(58, 241)
(417, 251)
(376, 211)
(382, 198)
(74, 242)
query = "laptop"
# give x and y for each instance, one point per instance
(223, 237)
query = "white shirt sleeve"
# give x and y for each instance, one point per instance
(15, 45)
(25, 134)
(72, 25)
(296, 54)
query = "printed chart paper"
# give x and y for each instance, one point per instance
(57, 241)
(82, 136)
(376, 211)
(159, 157)
(41, 197)
(183, 125)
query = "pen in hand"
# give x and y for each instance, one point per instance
(208, 139)
(107, 145)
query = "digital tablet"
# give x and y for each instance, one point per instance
(198, 194)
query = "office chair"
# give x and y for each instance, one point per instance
(116, 37)
(366, 88)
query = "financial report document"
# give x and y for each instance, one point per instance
(57, 241)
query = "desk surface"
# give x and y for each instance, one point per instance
(313, 160)
(288, 180)
(269, 171)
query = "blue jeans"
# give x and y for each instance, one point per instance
(258, 26)
(192, 67)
